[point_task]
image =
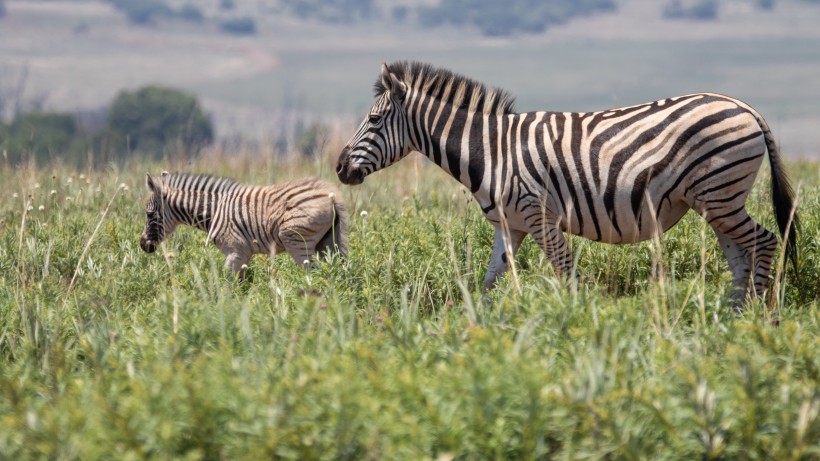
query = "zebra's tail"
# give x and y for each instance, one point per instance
(335, 240)
(782, 195)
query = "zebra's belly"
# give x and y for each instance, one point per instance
(627, 227)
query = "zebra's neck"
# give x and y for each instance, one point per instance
(455, 138)
(193, 199)
(194, 208)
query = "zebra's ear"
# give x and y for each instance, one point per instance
(396, 87)
(151, 183)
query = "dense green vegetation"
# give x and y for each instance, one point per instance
(152, 119)
(154, 122)
(108, 353)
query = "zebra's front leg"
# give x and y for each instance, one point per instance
(505, 245)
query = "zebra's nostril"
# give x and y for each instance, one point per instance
(339, 168)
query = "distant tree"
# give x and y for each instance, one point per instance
(239, 26)
(765, 4)
(330, 11)
(400, 13)
(190, 13)
(154, 118)
(227, 5)
(700, 10)
(142, 11)
(2, 8)
(311, 141)
(494, 18)
(40, 136)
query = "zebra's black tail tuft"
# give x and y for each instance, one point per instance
(335, 240)
(782, 197)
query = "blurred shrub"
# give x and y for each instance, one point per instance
(330, 11)
(312, 140)
(154, 118)
(41, 137)
(142, 11)
(239, 26)
(506, 18)
(700, 10)
(191, 13)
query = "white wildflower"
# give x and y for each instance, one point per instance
(29, 208)
(41, 207)
(53, 192)
(331, 196)
(15, 195)
(69, 180)
(82, 176)
(363, 214)
(37, 185)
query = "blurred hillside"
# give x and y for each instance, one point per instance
(267, 69)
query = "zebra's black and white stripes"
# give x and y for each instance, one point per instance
(303, 217)
(617, 176)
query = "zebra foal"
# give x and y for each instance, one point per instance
(618, 176)
(303, 217)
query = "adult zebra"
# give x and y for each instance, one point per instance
(304, 217)
(617, 176)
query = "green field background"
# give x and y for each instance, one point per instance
(110, 353)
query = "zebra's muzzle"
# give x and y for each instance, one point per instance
(347, 173)
(148, 246)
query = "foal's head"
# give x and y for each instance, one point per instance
(159, 221)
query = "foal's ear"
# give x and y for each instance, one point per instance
(396, 87)
(152, 184)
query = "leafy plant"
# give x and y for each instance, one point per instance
(152, 119)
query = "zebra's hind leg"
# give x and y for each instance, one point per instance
(552, 241)
(740, 264)
(237, 260)
(747, 245)
(503, 243)
(300, 247)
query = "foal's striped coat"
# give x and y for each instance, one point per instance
(303, 217)
(618, 176)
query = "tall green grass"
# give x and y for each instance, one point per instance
(110, 353)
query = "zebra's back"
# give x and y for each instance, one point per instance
(623, 175)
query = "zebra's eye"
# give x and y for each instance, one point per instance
(375, 118)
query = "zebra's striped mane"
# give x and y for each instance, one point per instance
(193, 182)
(463, 91)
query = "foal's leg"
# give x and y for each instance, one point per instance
(299, 244)
(503, 243)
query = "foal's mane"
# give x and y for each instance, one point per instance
(433, 81)
(193, 181)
